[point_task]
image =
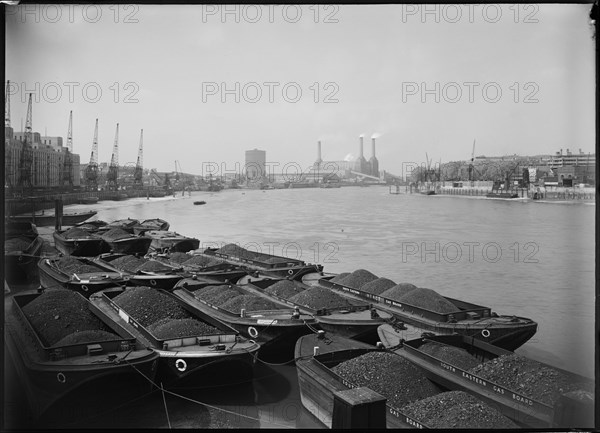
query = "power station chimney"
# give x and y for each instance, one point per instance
(360, 153)
(319, 160)
(373, 163)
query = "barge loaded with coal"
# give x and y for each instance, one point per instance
(418, 310)
(531, 393)
(59, 343)
(398, 395)
(187, 340)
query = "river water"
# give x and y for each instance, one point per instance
(520, 258)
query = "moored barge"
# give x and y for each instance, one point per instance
(22, 248)
(353, 319)
(79, 242)
(179, 357)
(263, 264)
(508, 332)
(279, 327)
(81, 274)
(321, 381)
(49, 373)
(447, 362)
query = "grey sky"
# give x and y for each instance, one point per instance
(374, 59)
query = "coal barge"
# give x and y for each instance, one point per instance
(479, 322)
(49, 372)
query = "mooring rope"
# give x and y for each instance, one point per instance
(202, 403)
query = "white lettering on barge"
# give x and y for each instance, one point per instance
(474, 379)
(521, 399)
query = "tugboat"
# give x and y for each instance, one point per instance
(500, 191)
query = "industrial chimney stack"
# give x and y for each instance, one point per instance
(373, 162)
(360, 152)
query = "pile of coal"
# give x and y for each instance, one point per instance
(116, 234)
(456, 409)
(399, 290)
(77, 233)
(529, 378)
(248, 303)
(452, 355)
(147, 305)
(274, 260)
(357, 279)
(71, 265)
(284, 289)
(55, 314)
(429, 300)
(177, 257)
(388, 374)
(153, 266)
(177, 328)
(319, 297)
(201, 261)
(339, 277)
(378, 286)
(127, 263)
(237, 251)
(216, 295)
(90, 336)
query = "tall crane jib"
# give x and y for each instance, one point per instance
(26, 159)
(91, 171)
(7, 105)
(113, 169)
(8, 166)
(139, 166)
(67, 168)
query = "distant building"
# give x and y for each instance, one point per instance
(560, 159)
(47, 163)
(255, 166)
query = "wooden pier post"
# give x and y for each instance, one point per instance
(58, 213)
(358, 408)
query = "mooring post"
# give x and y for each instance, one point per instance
(58, 212)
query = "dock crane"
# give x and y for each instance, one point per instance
(471, 178)
(139, 166)
(8, 181)
(67, 169)
(91, 171)
(26, 160)
(113, 168)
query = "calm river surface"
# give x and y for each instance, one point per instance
(528, 259)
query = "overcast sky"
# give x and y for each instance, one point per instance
(518, 79)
